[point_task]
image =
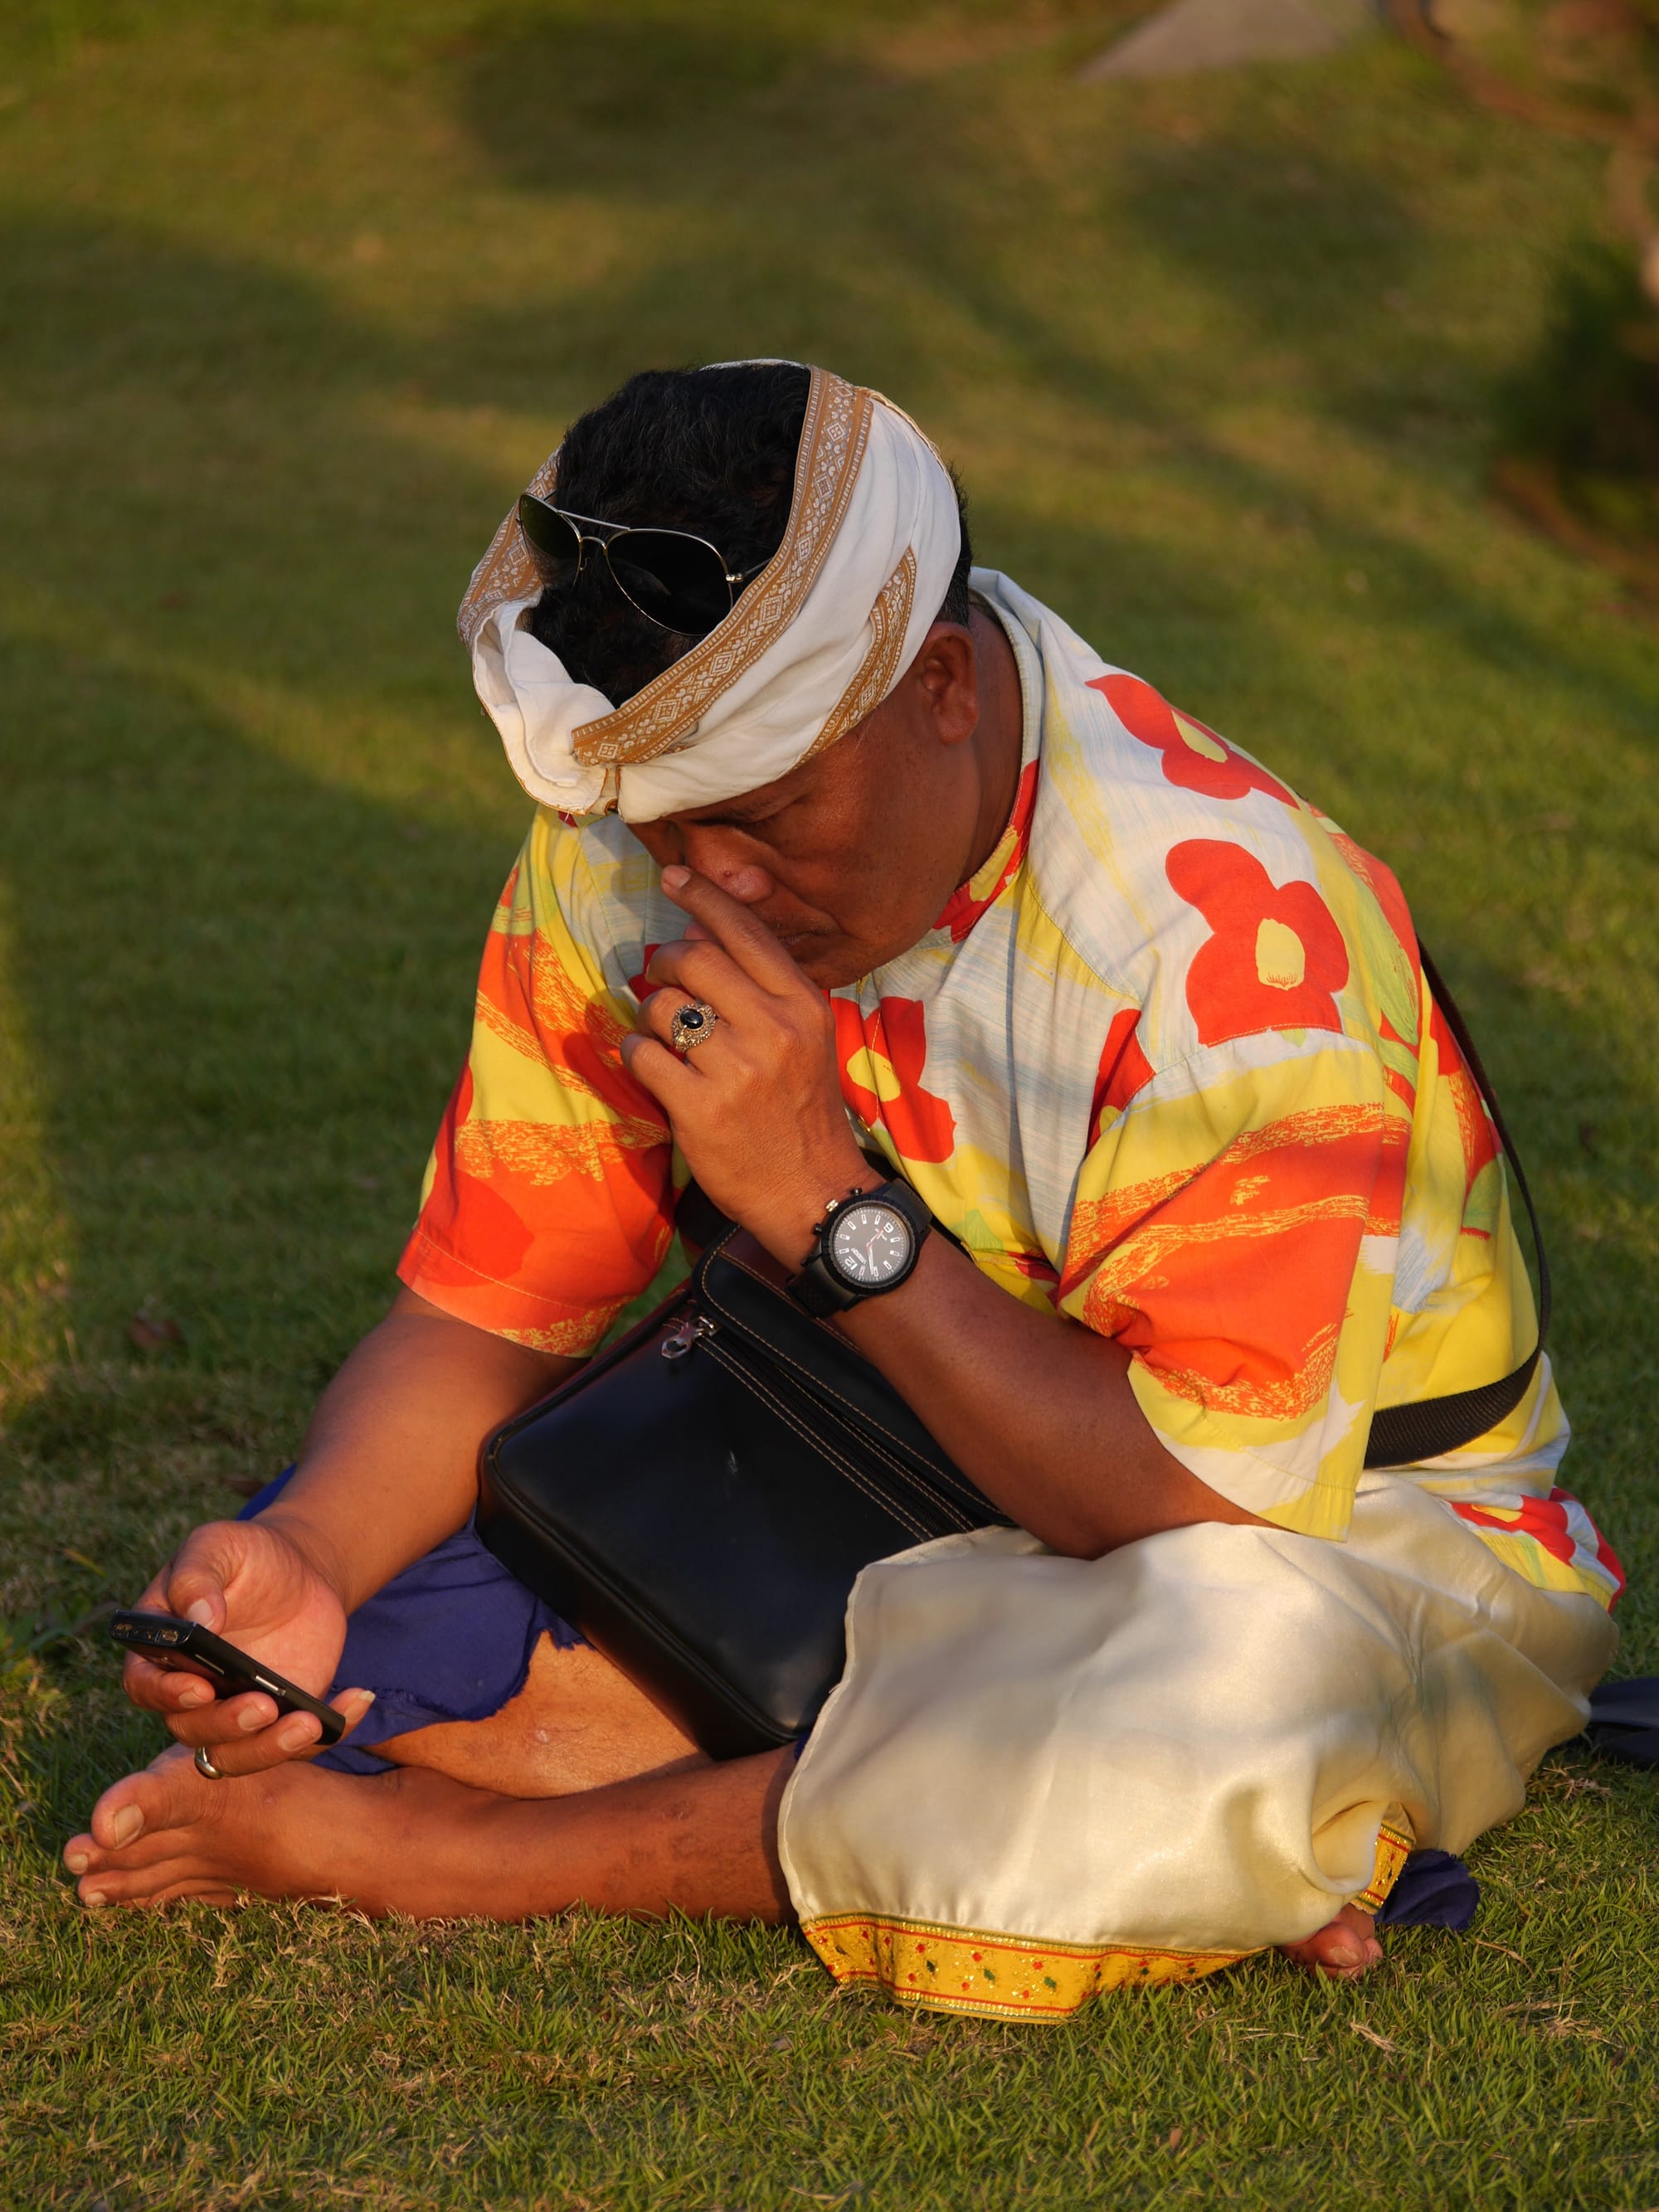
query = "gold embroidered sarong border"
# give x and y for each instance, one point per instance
(1002, 1977)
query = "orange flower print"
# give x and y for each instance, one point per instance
(1276, 958)
(1194, 757)
(496, 1239)
(920, 1122)
(1124, 1069)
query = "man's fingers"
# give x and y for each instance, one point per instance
(223, 1719)
(293, 1736)
(156, 1689)
(660, 1072)
(698, 968)
(732, 924)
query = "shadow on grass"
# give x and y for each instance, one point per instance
(246, 964)
(253, 828)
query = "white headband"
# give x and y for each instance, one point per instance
(812, 645)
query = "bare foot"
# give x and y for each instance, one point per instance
(1344, 1948)
(418, 1843)
(294, 1830)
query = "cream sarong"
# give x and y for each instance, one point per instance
(1042, 1777)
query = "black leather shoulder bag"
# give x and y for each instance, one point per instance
(700, 1499)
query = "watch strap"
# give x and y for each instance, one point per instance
(818, 1292)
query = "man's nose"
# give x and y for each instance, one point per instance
(711, 854)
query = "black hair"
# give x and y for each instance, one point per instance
(708, 450)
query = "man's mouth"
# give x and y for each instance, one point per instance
(794, 939)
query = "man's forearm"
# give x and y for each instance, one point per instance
(1038, 1411)
(389, 1467)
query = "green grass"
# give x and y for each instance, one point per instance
(292, 297)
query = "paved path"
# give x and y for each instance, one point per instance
(1210, 35)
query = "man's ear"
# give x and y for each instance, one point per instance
(947, 669)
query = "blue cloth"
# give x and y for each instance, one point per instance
(448, 1639)
(1623, 1720)
(1432, 1890)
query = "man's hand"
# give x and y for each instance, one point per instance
(252, 1584)
(757, 1109)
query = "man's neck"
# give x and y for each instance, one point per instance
(998, 738)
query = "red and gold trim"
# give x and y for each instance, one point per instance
(1001, 1977)
(995, 1976)
(1396, 1843)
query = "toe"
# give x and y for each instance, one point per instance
(1345, 1949)
(169, 1795)
(163, 1884)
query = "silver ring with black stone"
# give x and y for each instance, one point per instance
(693, 1024)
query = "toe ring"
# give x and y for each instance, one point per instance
(204, 1766)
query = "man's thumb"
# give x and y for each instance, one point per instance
(196, 1587)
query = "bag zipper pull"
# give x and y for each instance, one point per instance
(679, 1341)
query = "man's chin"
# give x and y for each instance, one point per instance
(828, 962)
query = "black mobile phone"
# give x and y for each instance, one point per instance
(185, 1647)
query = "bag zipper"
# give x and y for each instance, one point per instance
(679, 1341)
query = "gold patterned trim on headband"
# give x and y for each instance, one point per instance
(509, 570)
(832, 445)
(889, 618)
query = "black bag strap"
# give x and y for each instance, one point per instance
(1402, 1435)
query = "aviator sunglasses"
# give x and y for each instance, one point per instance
(676, 580)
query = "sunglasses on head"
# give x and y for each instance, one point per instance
(676, 580)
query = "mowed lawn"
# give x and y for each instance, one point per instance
(292, 298)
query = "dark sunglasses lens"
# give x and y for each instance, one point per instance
(679, 581)
(556, 545)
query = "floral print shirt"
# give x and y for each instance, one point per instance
(1166, 1064)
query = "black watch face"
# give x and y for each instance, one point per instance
(869, 1244)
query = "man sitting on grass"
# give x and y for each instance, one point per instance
(1150, 1036)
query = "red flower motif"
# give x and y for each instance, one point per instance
(1550, 1521)
(920, 1122)
(961, 909)
(1124, 1069)
(641, 985)
(1474, 1125)
(1275, 957)
(1194, 757)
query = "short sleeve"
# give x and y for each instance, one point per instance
(1235, 1228)
(548, 1203)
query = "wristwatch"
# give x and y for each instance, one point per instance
(867, 1243)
